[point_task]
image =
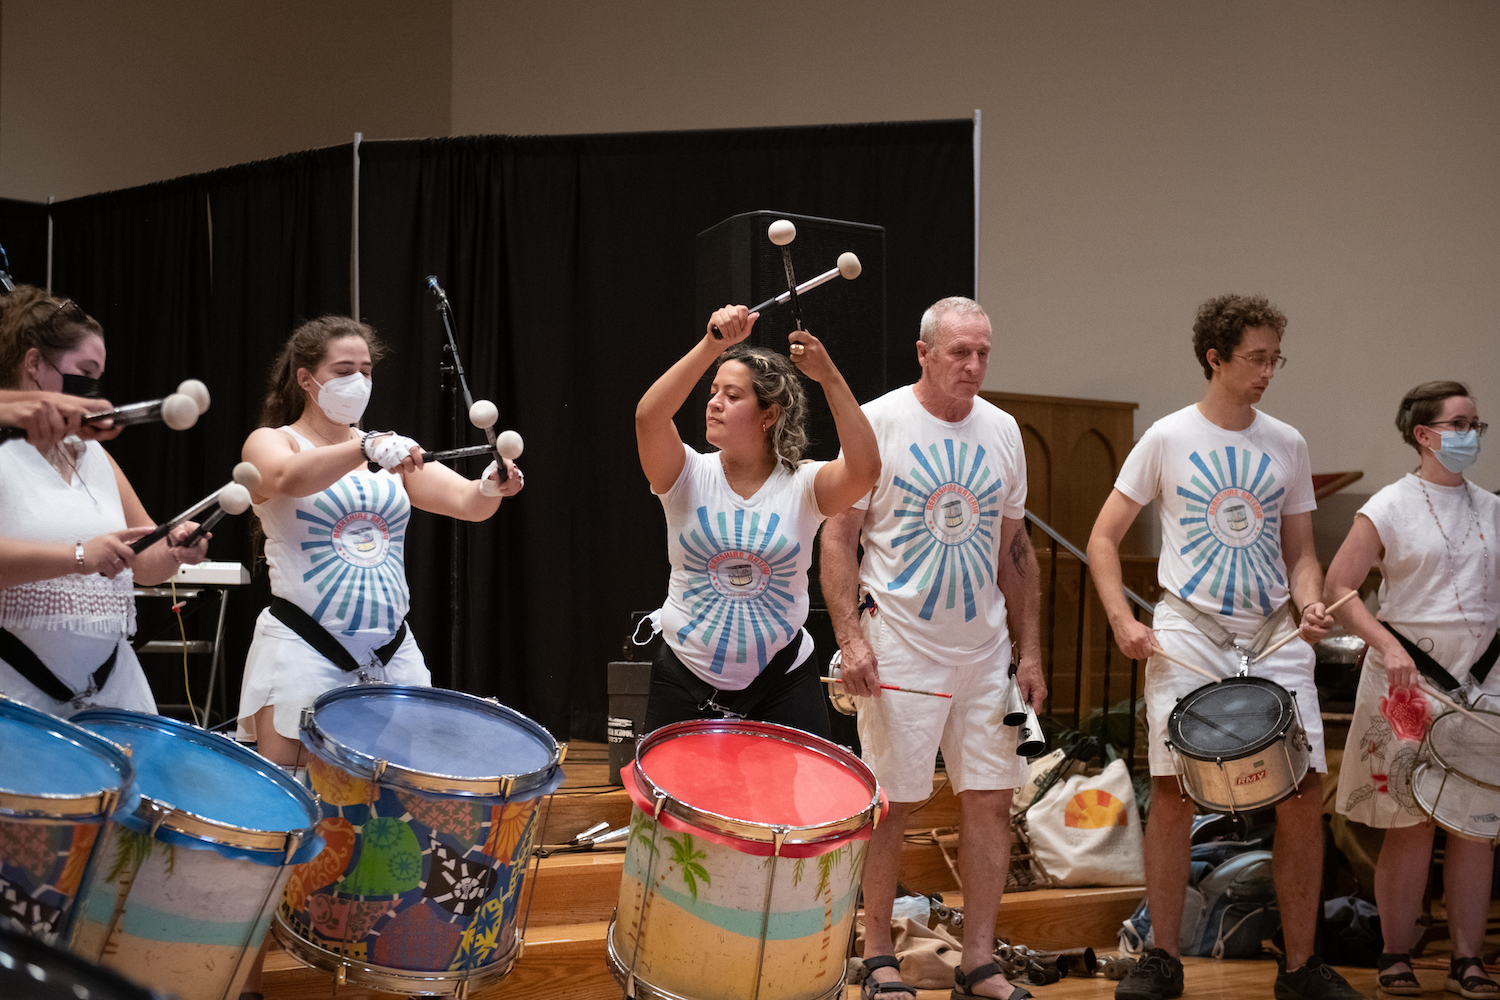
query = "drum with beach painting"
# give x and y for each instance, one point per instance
(59, 784)
(432, 801)
(741, 873)
(181, 893)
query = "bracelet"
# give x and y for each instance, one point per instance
(78, 553)
(364, 440)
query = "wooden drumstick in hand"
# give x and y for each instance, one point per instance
(892, 687)
(1298, 631)
(1182, 663)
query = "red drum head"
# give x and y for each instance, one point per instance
(744, 780)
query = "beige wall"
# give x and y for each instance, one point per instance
(1342, 157)
(99, 94)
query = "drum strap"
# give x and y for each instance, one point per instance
(1221, 636)
(30, 666)
(1433, 670)
(738, 703)
(320, 639)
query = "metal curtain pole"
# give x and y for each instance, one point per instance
(978, 135)
(50, 200)
(354, 235)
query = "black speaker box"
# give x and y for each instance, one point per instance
(738, 263)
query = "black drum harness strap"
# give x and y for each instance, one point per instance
(1433, 670)
(30, 666)
(320, 639)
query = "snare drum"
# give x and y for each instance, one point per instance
(741, 874)
(1457, 777)
(202, 845)
(1239, 744)
(58, 785)
(432, 802)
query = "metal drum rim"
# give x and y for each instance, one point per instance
(46, 805)
(386, 977)
(371, 768)
(749, 830)
(1448, 765)
(621, 971)
(1289, 719)
(204, 828)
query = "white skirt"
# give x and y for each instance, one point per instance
(283, 670)
(73, 657)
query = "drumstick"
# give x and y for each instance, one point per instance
(1456, 705)
(1168, 656)
(1298, 631)
(893, 687)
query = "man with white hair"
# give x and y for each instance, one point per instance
(947, 581)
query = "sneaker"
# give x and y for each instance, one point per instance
(1314, 981)
(1157, 976)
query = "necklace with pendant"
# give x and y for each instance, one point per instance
(1448, 547)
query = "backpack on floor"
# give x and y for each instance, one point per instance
(1229, 907)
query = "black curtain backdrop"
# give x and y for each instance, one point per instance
(23, 234)
(570, 265)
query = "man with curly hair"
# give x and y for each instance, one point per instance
(1234, 494)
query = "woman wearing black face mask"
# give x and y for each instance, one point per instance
(67, 516)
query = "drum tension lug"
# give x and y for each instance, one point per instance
(340, 976)
(380, 766)
(293, 841)
(562, 752)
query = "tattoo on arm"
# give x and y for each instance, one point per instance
(1020, 549)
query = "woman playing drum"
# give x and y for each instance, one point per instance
(741, 523)
(66, 568)
(335, 533)
(1436, 539)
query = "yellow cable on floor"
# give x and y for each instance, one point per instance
(186, 686)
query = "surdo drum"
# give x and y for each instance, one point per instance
(1456, 780)
(1239, 744)
(181, 894)
(432, 801)
(742, 868)
(59, 783)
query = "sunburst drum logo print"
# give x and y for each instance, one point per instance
(350, 548)
(738, 575)
(1233, 528)
(950, 500)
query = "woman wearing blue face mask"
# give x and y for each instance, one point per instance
(68, 514)
(1435, 538)
(335, 533)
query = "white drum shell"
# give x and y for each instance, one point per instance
(1254, 782)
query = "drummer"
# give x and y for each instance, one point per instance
(1234, 490)
(335, 533)
(741, 523)
(1435, 537)
(67, 573)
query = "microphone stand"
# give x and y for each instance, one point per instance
(451, 371)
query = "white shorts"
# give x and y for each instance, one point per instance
(901, 733)
(1291, 666)
(283, 670)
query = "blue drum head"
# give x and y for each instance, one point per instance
(44, 756)
(466, 745)
(206, 775)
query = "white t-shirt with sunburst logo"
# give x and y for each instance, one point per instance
(931, 532)
(1221, 498)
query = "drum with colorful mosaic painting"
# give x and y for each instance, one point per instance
(203, 841)
(432, 801)
(742, 869)
(59, 784)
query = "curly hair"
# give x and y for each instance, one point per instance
(1422, 405)
(29, 317)
(1222, 322)
(776, 380)
(306, 348)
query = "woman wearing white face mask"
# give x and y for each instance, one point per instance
(1436, 539)
(335, 533)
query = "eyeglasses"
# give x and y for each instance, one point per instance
(1462, 426)
(1261, 361)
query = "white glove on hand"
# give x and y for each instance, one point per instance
(487, 486)
(389, 450)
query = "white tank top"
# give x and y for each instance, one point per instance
(340, 555)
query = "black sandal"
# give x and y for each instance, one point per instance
(1401, 984)
(1470, 986)
(979, 975)
(870, 989)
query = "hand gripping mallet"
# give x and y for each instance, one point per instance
(237, 493)
(179, 411)
(506, 444)
(782, 232)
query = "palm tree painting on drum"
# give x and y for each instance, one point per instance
(738, 573)
(949, 502)
(1233, 528)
